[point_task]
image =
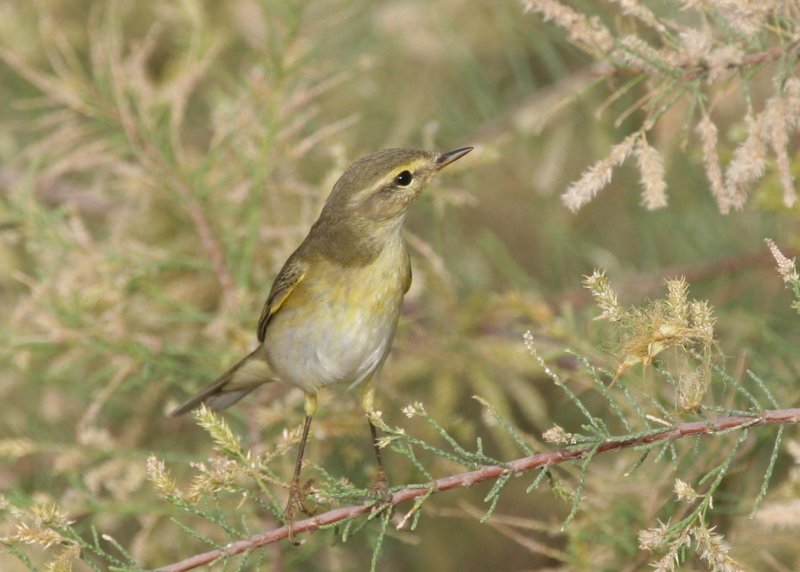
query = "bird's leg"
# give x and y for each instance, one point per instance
(296, 493)
(380, 488)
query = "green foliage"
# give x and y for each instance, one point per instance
(238, 478)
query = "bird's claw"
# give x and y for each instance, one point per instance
(297, 502)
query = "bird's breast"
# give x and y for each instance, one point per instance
(337, 325)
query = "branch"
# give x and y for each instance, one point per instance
(780, 416)
(208, 240)
(693, 71)
(643, 284)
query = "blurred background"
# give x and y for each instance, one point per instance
(160, 160)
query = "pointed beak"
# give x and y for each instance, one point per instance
(446, 158)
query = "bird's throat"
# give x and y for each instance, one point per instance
(354, 242)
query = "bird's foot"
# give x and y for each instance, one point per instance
(379, 490)
(297, 502)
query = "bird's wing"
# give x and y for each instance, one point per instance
(409, 276)
(290, 276)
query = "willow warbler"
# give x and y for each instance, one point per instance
(331, 313)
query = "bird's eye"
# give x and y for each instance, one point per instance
(404, 178)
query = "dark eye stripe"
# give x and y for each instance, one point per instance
(404, 178)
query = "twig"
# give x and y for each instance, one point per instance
(533, 113)
(638, 286)
(209, 241)
(693, 71)
(490, 472)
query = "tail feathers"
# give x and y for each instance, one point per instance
(231, 386)
(223, 400)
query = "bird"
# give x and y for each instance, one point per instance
(332, 311)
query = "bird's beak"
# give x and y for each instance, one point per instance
(446, 158)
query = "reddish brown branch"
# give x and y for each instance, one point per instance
(487, 473)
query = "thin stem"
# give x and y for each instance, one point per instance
(679, 431)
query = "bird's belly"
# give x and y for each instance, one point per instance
(332, 339)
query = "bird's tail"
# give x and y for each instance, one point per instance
(231, 386)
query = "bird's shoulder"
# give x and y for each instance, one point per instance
(293, 272)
